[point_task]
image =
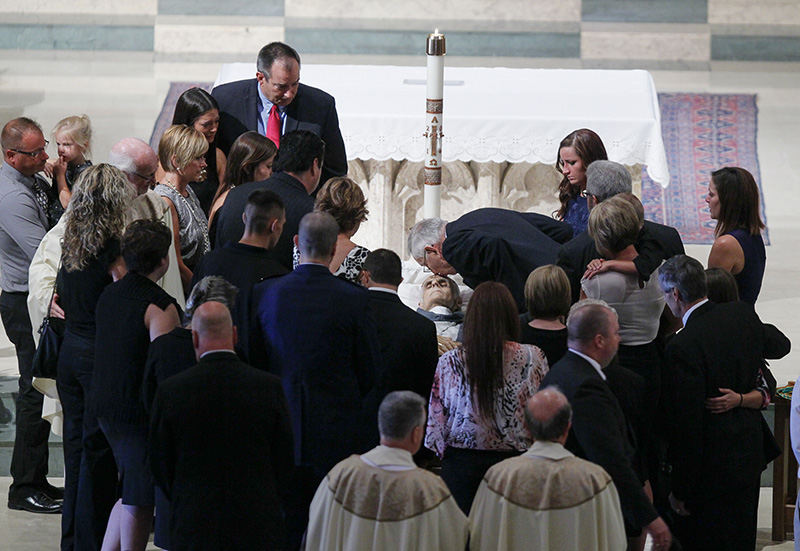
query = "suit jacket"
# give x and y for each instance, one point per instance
(221, 442)
(320, 340)
(721, 346)
(655, 244)
(502, 245)
(408, 345)
(599, 434)
(296, 201)
(312, 109)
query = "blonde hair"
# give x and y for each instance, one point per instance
(96, 213)
(77, 127)
(614, 225)
(343, 199)
(547, 292)
(182, 142)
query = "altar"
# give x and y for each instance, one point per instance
(501, 128)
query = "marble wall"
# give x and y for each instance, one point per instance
(673, 34)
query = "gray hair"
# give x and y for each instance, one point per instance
(210, 288)
(123, 153)
(400, 412)
(606, 179)
(587, 318)
(317, 235)
(685, 274)
(552, 427)
(423, 234)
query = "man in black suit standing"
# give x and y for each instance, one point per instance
(249, 261)
(297, 170)
(489, 244)
(407, 339)
(599, 428)
(221, 445)
(321, 341)
(656, 242)
(276, 103)
(717, 456)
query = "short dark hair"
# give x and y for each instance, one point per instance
(550, 429)
(272, 52)
(399, 413)
(298, 150)
(262, 206)
(685, 274)
(384, 266)
(722, 286)
(317, 235)
(144, 244)
(14, 129)
(588, 318)
(193, 103)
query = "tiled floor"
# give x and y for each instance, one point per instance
(123, 94)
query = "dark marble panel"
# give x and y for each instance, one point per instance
(646, 11)
(755, 48)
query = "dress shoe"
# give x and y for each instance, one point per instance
(56, 493)
(37, 502)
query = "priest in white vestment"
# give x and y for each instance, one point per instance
(547, 499)
(382, 500)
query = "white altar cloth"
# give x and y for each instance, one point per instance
(490, 114)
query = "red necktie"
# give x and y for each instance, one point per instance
(274, 126)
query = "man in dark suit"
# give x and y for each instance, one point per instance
(717, 456)
(297, 171)
(407, 339)
(656, 242)
(599, 428)
(321, 341)
(248, 262)
(275, 103)
(221, 445)
(489, 245)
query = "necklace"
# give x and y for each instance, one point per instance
(200, 223)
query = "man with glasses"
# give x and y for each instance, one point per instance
(24, 204)
(275, 103)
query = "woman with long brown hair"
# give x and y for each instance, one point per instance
(738, 246)
(476, 411)
(575, 153)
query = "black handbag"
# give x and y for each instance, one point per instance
(51, 334)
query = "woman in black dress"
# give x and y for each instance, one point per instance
(95, 220)
(547, 294)
(131, 313)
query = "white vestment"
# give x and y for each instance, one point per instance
(546, 499)
(381, 500)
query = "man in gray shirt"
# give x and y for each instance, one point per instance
(24, 200)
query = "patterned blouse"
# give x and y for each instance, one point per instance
(452, 414)
(350, 267)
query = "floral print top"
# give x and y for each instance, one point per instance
(453, 419)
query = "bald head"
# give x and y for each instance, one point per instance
(212, 328)
(548, 415)
(137, 160)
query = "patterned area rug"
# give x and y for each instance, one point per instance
(702, 132)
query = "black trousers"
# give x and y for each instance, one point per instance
(90, 472)
(463, 470)
(29, 459)
(723, 521)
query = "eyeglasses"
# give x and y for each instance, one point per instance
(148, 179)
(586, 194)
(35, 153)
